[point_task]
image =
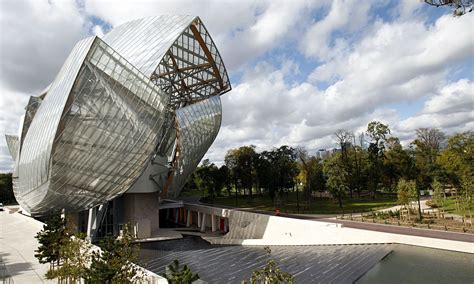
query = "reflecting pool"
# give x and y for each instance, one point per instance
(412, 264)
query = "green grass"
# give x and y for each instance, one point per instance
(289, 204)
(191, 193)
(449, 206)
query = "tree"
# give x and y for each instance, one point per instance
(175, 275)
(241, 163)
(337, 178)
(270, 273)
(6, 189)
(266, 173)
(207, 179)
(406, 193)
(438, 195)
(360, 160)
(51, 238)
(305, 158)
(397, 163)
(427, 147)
(225, 178)
(285, 163)
(377, 132)
(277, 169)
(460, 7)
(457, 163)
(115, 263)
(311, 172)
(74, 256)
(345, 139)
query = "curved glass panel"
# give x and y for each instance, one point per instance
(13, 145)
(144, 42)
(197, 125)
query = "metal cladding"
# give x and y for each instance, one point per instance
(148, 91)
(12, 144)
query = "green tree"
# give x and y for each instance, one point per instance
(241, 163)
(270, 273)
(6, 189)
(397, 163)
(337, 177)
(359, 158)
(306, 170)
(427, 144)
(266, 173)
(457, 163)
(438, 194)
(345, 138)
(277, 170)
(51, 238)
(115, 262)
(311, 172)
(377, 133)
(176, 275)
(74, 255)
(285, 163)
(207, 179)
(406, 193)
(225, 178)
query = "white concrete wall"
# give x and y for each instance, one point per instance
(289, 231)
(143, 183)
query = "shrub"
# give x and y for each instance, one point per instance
(175, 275)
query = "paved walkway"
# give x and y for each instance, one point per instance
(17, 248)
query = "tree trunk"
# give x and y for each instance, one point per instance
(297, 199)
(419, 204)
(236, 197)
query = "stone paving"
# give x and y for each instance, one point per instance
(17, 249)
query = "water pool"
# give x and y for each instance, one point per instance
(412, 264)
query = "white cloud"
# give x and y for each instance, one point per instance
(98, 31)
(451, 109)
(36, 37)
(349, 16)
(456, 97)
(11, 109)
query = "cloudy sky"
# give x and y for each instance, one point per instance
(299, 69)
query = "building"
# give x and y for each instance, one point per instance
(128, 118)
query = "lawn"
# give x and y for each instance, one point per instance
(450, 207)
(289, 204)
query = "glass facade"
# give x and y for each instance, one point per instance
(149, 90)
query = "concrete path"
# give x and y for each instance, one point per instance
(414, 204)
(17, 248)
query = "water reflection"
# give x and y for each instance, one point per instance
(412, 264)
